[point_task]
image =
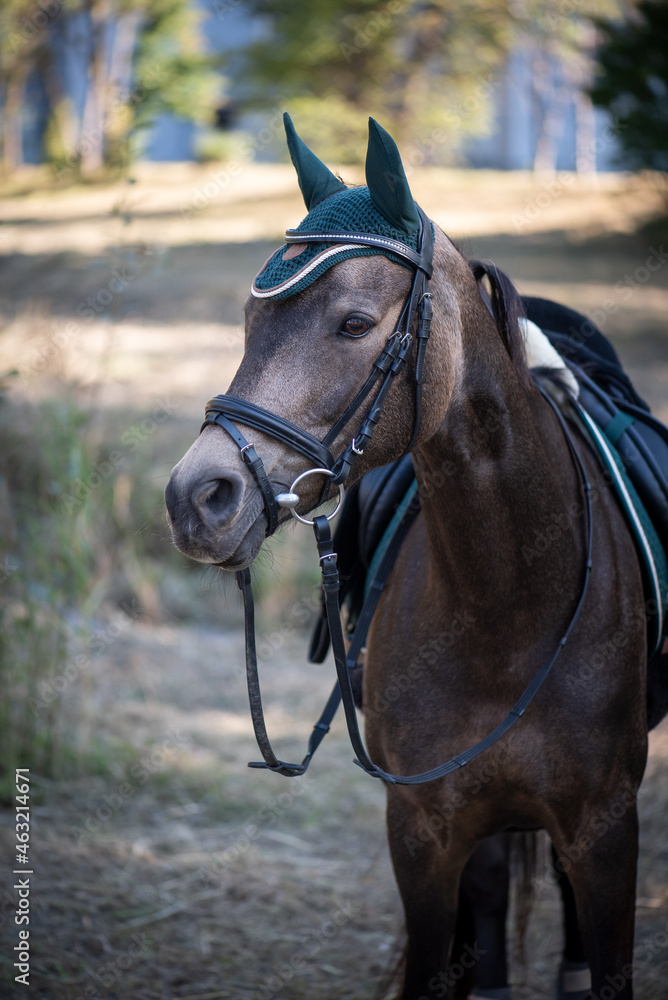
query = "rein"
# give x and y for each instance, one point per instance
(416, 313)
(345, 662)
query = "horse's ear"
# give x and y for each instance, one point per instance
(387, 182)
(316, 181)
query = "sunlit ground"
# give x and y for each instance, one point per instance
(148, 278)
(134, 293)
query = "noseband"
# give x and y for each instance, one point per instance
(415, 314)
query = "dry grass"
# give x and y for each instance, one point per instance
(182, 874)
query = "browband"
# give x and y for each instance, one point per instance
(415, 259)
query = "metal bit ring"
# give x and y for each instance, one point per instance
(313, 472)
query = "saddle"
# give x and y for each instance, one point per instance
(371, 509)
(632, 445)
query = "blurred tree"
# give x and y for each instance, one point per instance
(23, 39)
(426, 68)
(557, 39)
(632, 82)
(423, 68)
(144, 57)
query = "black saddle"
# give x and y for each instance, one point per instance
(606, 393)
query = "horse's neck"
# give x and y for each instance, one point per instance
(495, 480)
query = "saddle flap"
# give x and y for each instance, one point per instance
(642, 444)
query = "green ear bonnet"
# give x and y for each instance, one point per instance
(384, 208)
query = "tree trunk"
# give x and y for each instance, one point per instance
(585, 118)
(91, 140)
(119, 119)
(547, 147)
(13, 117)
(125, 40)
(585, 134)
(551, 104)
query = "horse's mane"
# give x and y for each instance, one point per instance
(507, 308)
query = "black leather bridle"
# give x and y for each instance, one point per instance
(414, 322)
(416, 313)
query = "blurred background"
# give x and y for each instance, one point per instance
(144, 180)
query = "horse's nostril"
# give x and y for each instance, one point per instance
(217, 500)
(220, 496)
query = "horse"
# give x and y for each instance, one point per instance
(475, 611)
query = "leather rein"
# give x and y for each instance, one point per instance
(416, 314)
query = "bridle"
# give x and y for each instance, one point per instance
(415, 315)
(414, 323)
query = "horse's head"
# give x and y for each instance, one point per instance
(323, 315)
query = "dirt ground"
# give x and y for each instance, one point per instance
(173, 871)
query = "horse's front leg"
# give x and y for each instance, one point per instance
(601, 864)
(427, 866)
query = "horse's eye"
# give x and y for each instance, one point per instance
(356, 326)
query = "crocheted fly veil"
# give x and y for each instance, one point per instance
(384, 208)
